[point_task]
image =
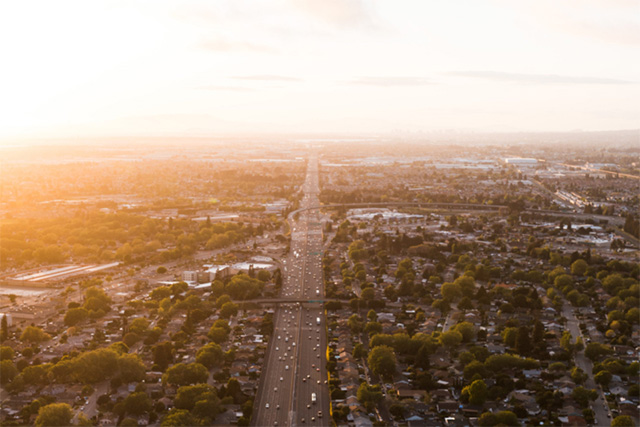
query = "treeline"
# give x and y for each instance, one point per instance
(99, 237)
(25, 184)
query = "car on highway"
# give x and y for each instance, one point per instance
(266, 406)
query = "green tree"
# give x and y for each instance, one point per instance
(34, 335)
(160, 293)
(242, 287)
(466, 329)
(368, 294)
(465, 304)
(422, 357)
(450, 291)
(578, 375)
(369, 395)
(474, 368)
(8, 371)
(4, 328)
(582, 395)
(218, 335)
(565, 341)
(54, 414)
(355, 324)
(139, 326)
(211, 355)
(502, 418)
(595, 351)
(623, 421)
(188, 396)
(509, 336)
(95, 299)
(35, 374)
(264, 275)
(179, 418)
(6, 353)
(373, 328)
(450, 339)
(217, 288)
(131, 367)
(579, 267)
(382, 361)
(359, 351)
(228, 309)
(137, 403)
(476, 392)
(523, 341)
(603, 378)
(186, 374)
(507, 418)
(75, 316)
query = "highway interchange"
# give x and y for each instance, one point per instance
(293, 389)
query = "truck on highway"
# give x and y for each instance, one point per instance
(317, 320)
(313, 398)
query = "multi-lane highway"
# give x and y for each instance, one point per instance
(293, 389)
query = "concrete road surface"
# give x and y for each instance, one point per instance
(293, 388)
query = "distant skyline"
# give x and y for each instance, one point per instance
(199, 68)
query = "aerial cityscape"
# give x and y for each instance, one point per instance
(320, 213)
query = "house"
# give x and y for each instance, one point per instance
(411, 394)
(448, 406)
(362, 420)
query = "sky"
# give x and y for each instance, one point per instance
(199, 68)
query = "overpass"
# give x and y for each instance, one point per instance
(280, 300)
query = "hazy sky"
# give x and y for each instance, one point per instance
(76, 68)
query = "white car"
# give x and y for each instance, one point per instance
(266, 406)
(286, 367)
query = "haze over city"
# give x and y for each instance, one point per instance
(320, 213)
(202, 68)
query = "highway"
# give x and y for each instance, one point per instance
(293, 388)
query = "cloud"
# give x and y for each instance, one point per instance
(227, 88)
(390, 81)
(269, 78)
(338, 13)
(608, 21)
(625, 33)
(537, 78)
(223, 45)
